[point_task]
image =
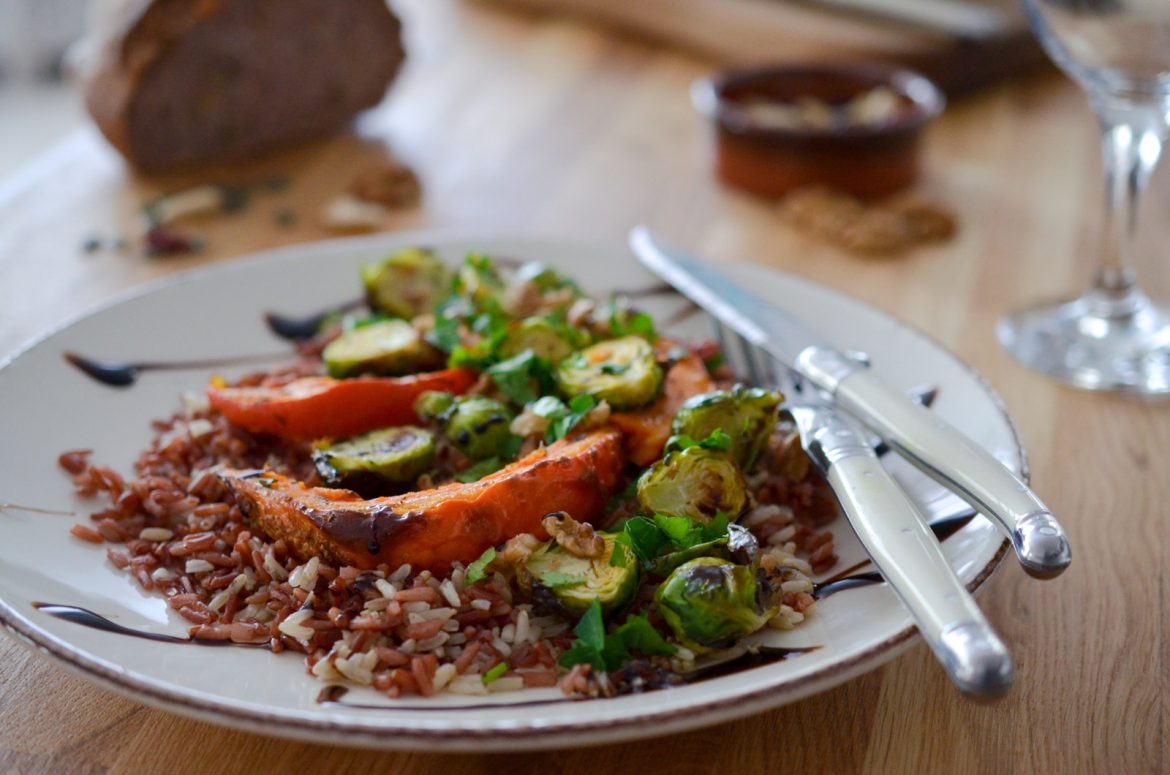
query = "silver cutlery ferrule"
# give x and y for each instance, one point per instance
(1041, 544)
(922, 437)
(825, 367)
(901, 545)
(977, 660)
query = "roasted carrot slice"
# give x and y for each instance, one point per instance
(434, 528)
(648, 429)
(315, 407)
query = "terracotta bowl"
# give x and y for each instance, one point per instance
(867, 160)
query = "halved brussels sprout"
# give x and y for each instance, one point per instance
(709, 603)
(406, 283)
(695, 483)
(432, 404)
(389, 347)
(622, 371)
(478, 280)
(544, 277)
(747, 414)
(479, 427)
(560, 580)
(739, 545)
(540, 336)
(391, 454)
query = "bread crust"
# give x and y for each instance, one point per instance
(138, 36)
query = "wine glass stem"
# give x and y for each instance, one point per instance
(1132, 137)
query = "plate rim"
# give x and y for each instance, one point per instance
(526, 737)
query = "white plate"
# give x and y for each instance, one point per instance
(49, 407)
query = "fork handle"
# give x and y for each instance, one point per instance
(895, 535)
(955, 461)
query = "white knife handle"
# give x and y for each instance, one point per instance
(949, 457)
(897, 538)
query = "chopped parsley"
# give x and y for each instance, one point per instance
(523, 377)
(554, 579)
(649, 539)
(477, 571)
(609, 652)
(496, 672)
(717, 441)
(563, 417)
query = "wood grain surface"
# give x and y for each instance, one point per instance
(550, 127)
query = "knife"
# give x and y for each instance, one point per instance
(894, 533)
(939, 450)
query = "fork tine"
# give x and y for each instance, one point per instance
(751, 360)
(726, 338)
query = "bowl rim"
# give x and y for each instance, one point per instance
(927, 99)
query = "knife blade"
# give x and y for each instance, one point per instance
(936, 448)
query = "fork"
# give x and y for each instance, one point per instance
(891, 528)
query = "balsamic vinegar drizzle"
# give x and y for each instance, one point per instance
(334, 694)
(88, 618)
(298, 328)
(126, 373)
(35, 510)
(850, 579)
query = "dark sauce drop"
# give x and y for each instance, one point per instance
(923, 395)
(126, 373)
(825, 588)
(657, 289)
(849, 579)
(296, 328)
(334, 694)
(764, 655)
(88, 618)
(110, 373)
(945, 528)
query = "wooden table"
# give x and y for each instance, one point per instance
(549, 127)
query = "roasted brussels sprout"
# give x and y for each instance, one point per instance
(746, 414)
(709, 603)
(622, 371)
(695, 483)
(548, 341)
(406, 283)
(739, 545)
(389, 347)
(431, 405)
(544, 277)
(391, 455)
(560, 580)
(478, 281)
(479, 427)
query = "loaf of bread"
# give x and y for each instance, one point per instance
(175, 83)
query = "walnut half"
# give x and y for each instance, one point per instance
(578, 538)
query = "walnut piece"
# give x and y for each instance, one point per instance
(390, 184)
(578, 538)
(517, 549)
(789, 457)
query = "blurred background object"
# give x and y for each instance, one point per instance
(959, 44)
(36, 107)
(181, 84)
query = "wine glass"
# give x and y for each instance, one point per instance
(1113, 337)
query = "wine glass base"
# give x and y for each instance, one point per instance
(1079, 344)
